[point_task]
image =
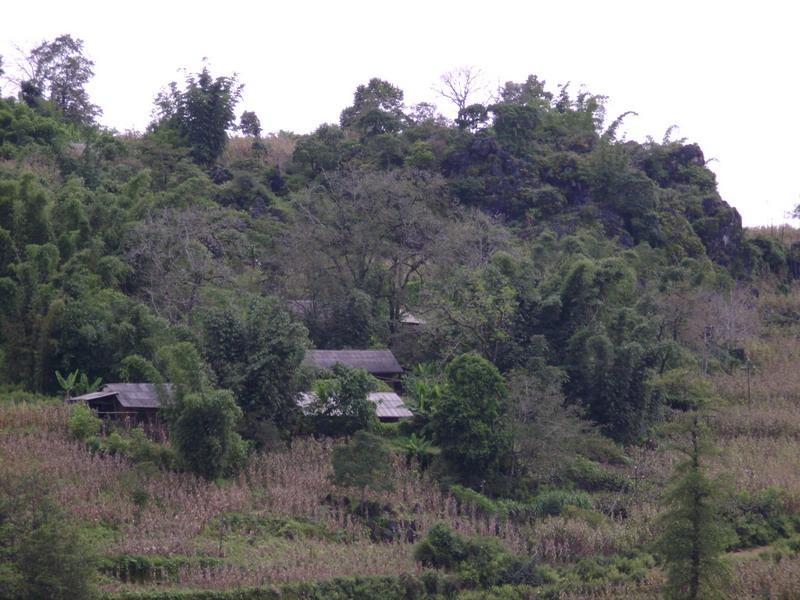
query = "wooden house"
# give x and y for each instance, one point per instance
(133, 401)
(380, 363)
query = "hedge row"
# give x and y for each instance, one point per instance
(404, 587)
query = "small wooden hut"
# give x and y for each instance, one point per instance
(138, 402)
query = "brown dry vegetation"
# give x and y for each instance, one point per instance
(758, 441)
(783, 233)
(279, 148)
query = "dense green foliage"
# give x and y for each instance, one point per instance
(341, 405)
(467, 420)
(553, 292)
(42, 554)
(204, 434)
(256, 353)
(482, 562)
(200, 116)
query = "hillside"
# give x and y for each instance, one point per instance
(575, 314)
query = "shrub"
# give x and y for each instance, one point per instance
(364, 462)
(603, 450)
(592, 477)
(83, 423)
(116, 444)
(404, 587)
(553, 502)
(272, 526)
(478, 561)
(144, 568)
(467, 496)
(142, 449)
(42, 554)
(204, 434)
(441, 548)
(760, 519)
(615, 569)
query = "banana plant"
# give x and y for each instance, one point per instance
(67, 383)
(78, 383)
(420, 449)
(85, 386)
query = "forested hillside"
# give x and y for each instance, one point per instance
(600, 359)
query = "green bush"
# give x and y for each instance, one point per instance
(146, 568)
(478, 561)
(614, 569)
(83, 422)
(42, 553)
(788, 548)
(760, 519)
(363, 462)
(136, 446)
(593, 477)
(116, 444)
(403, 587)
(553, 502)
(14, 395)
(546, 503)
(603, 450)
(271, 526)
(503, 592)
(142, 449)
(468, 496)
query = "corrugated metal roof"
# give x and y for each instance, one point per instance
(409, 319)
(137, 395)
(373, 361)
(388, 405)
(92, 396)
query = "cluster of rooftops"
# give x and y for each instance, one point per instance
(141, 401)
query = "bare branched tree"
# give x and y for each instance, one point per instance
(373, 231)
(177, 253)
(462, 84)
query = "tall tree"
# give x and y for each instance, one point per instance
(201, 114)
(256, 352)
(250, 124)
(374, 231)
(459, 85)
(204, 434)
(377, 108)
(694, 537)
(177, 253)
(58, 71)
(468, 422)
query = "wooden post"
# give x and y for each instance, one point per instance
(748, 383)
(221, 533)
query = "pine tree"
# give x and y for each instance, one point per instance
(693, 538)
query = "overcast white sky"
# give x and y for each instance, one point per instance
(726, 73)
